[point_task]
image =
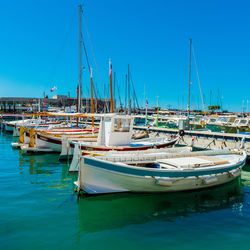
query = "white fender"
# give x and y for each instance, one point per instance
(15, 131)
(242, 143)
(66, 150)
(75, 163)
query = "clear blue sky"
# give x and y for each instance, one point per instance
(39, 48)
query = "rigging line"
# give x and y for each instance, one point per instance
(60, 52)
(85, 51)
(118, 89)
(198, 79)
(134, 91)
(87, 59)
(92, 50)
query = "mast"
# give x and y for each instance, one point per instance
(210, 97)
(44, 101)
(218, 94)
(92, 100)
(144, 97)
(189, 80)
(114, 87)
(69, 103)
(157, 118)
(111, 88)
(126, 86)
(129, 100)
(80, 60)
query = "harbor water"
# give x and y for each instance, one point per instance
(39, 210)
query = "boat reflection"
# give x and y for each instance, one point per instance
(46, 170)
(245, 175)
(119, 210)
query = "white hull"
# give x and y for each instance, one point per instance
(54, 147)
(173, 172)
(112, 182)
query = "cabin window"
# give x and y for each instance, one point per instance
(243, 121)
(122, 125)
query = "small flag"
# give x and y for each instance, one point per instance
(146, 102)
(110, 68)
(54, 88)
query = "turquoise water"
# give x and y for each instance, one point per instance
(39, 210)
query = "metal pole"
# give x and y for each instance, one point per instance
(92, 99)
(129, 100)
(126, 88)
(80, 59)
(114, 89)
(157, 118)
(189, 81)
(111, 88)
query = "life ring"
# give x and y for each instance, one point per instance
(181, 132)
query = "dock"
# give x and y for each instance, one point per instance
(205, 139)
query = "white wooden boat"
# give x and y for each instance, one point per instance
(57, 132)
(176, 172)
(115, 133)
(10, 125)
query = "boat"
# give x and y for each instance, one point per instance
(222, 123)
(240, 125)
(175, 172)
(36, 140)
(115, 133)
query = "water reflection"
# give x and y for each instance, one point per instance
(245, 176)
(38, 164)
(119, 210)
(45, 169)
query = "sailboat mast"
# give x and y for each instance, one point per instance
(80, 59)
(129, 100)
(111, 88)
(92, 100)
(189, 80)
(126, 87)
(114, 87)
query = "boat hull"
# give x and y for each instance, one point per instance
(165, 144)
(98, 177)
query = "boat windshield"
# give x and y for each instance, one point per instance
(223, 119)
(243, 122)
(212, 120)
(122, 125)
